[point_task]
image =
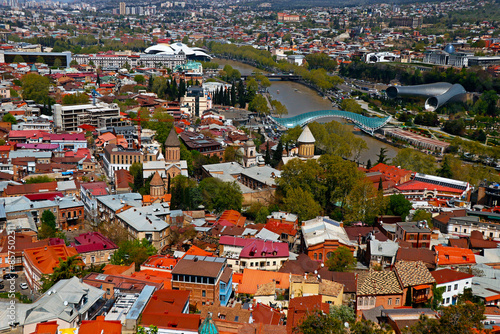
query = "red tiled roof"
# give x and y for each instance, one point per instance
(300, 307)
(166, 301)
(100, 326)
(419, 185)
(264, 314)
(46, 328)
(93, 241)
(392, 172)
(279, 227)
(47, 258)
(448, 275)
(453, 255)
(251, 279)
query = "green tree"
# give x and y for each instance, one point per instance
(364, 203)
(73, 63)
(408, 158)
(78, 98)
(302, 203)
(69, 268)
(319, 323)
(139, 79)
(420, 215)
(445, 170)
(219, 196)
(259, 105)
(149, 330)
(40, 60)
(351, 105)
(454, 127)
(340, 260)
(398, 206)
(133, 251)
(185, 193)
(18, 59)
(35, 87)
(48, 225)
(279, 108)
(8, 117)
(382, 156)
(39, 179)
(57, 63)
(136, 172)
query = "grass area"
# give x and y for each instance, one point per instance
(22, 298)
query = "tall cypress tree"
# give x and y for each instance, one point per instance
(267, 158)
(241, 94)
(233, 95)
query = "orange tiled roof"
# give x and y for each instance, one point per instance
(453, 255)
(198, 251)
(113, 269)
(100, 325)
(252, 279)
(47, 258)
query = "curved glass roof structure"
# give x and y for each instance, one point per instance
(367, 124)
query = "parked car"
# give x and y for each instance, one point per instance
(10, 276)
(23, 286)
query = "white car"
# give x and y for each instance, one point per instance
(23, 286)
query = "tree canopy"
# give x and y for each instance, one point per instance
(35, 87)
(133, 251)
(341, 260)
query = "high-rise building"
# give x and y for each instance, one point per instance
(123, 8)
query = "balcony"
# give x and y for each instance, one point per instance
(420, 298)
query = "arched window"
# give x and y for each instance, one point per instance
(329, 255)
(315, 256)
(320, 256)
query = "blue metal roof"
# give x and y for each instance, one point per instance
(367, 124)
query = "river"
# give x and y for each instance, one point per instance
(300, 99)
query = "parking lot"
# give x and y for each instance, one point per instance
(21, 279)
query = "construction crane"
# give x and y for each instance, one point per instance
(139, 120)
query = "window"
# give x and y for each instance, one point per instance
(92, 259)
(315, 256)
(397, 301)
(448, 300)
(251, 264)
(108, 292)
(389, 301)
(449, 287)
(268, 263)
(203, 293)
(274, 263)
(320, 256)
(465, 230)
(455, 287)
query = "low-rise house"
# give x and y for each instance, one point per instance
(416, 281)
(418, 234)
(378, 288)
(112, 285)
(94, 248)
(68, 303)
(454, 256)
(109, 206)
(89, 193)
(487, 290)
(300, 307)
(208, 278)
(427, 256)
(251, 280)
(42, 261)
(330, 292)
(148, 222)
(322, 236)
(454, 282)
(252, 253)
(381, 253)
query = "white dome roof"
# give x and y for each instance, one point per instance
(176, 48)
(306, 137)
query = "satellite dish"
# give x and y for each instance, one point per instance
(346, 324)
(65, 303)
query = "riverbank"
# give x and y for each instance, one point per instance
(300, 99)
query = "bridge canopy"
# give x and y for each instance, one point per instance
(367, 124)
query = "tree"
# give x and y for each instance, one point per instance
(267, 157)
(133, 251)
(454, 127)
(368, 164)
(279, 108)
(48, 225)
(136, 172)
(40, 60)
(78, 98)
(420, 215)
(18, 59)
(340, 260)
(149, 330)
(445, 170)
(319, 323)
(382, 156)
(69, 268)
(8, 117)
(277, 155)
(39, 179)
(57, 63)
(302, 203)
(259, 105)
(185, 193)
(230, 153)
(219, 196)
(463, 318)
(139, 79)
(351, 105)
(35, 87)
(398, 206)
(408, 158)
(363, 203)
(73, 63)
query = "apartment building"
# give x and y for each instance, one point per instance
(116, 61)
(208, 278)
(117, 157)
(69, 118)
(418, 234)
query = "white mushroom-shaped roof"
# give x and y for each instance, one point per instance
(306, 137)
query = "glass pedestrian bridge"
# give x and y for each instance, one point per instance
(367, 124)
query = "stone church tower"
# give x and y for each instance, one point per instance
(172, 147)
(156, 187)
(306, 143)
